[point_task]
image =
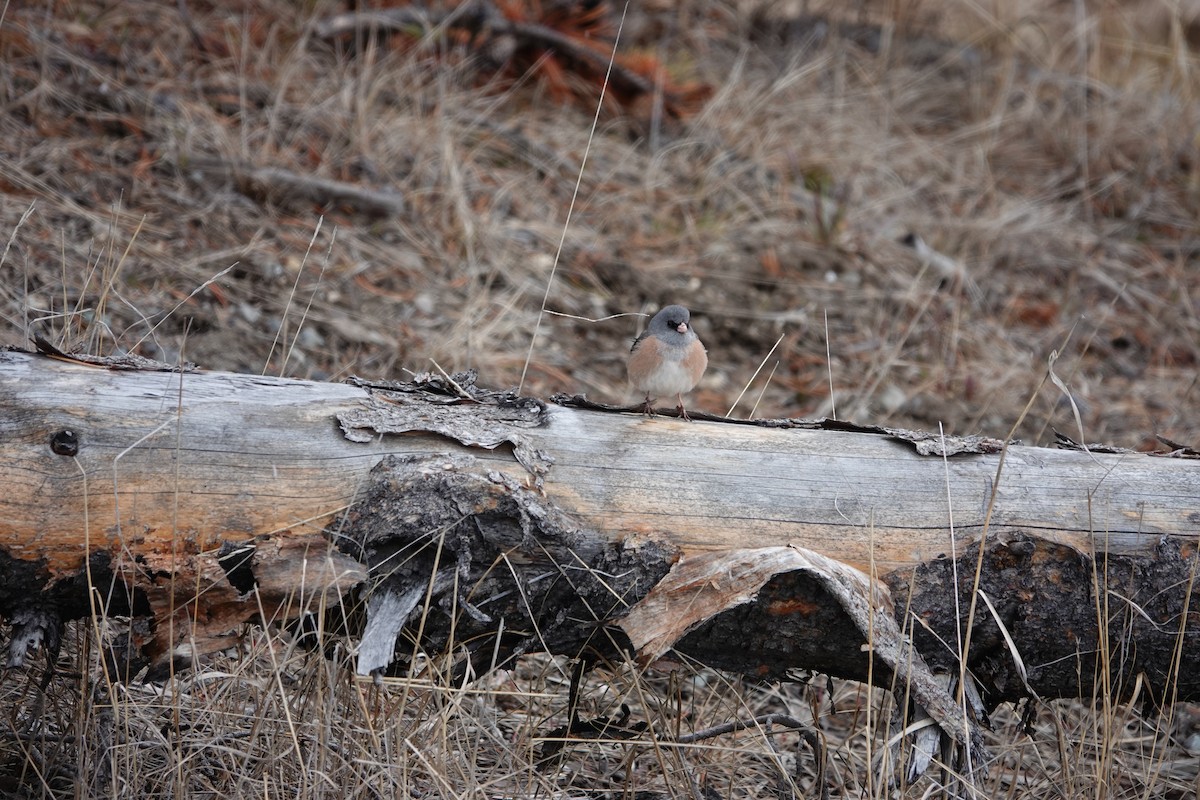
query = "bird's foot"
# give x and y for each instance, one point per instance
(648, 407)
(682, 411)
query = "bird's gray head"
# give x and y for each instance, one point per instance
(673, 323)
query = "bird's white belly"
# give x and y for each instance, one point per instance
(670, 378)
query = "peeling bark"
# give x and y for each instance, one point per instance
(478, 526)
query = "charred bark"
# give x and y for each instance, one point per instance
(1059, 622)
(478, 525)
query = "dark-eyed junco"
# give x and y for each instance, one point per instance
(667, 359)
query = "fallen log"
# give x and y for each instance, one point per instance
(482, 525)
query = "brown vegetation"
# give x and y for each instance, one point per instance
(222, 183)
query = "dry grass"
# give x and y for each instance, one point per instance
(1049, 150)
(293, 723)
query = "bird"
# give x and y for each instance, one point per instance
(667, 359)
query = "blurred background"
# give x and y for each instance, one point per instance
(891, 211)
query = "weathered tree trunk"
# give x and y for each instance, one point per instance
(484, 526)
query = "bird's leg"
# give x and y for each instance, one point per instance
(682, 411)
(648, 408)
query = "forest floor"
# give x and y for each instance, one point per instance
(903, 214)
